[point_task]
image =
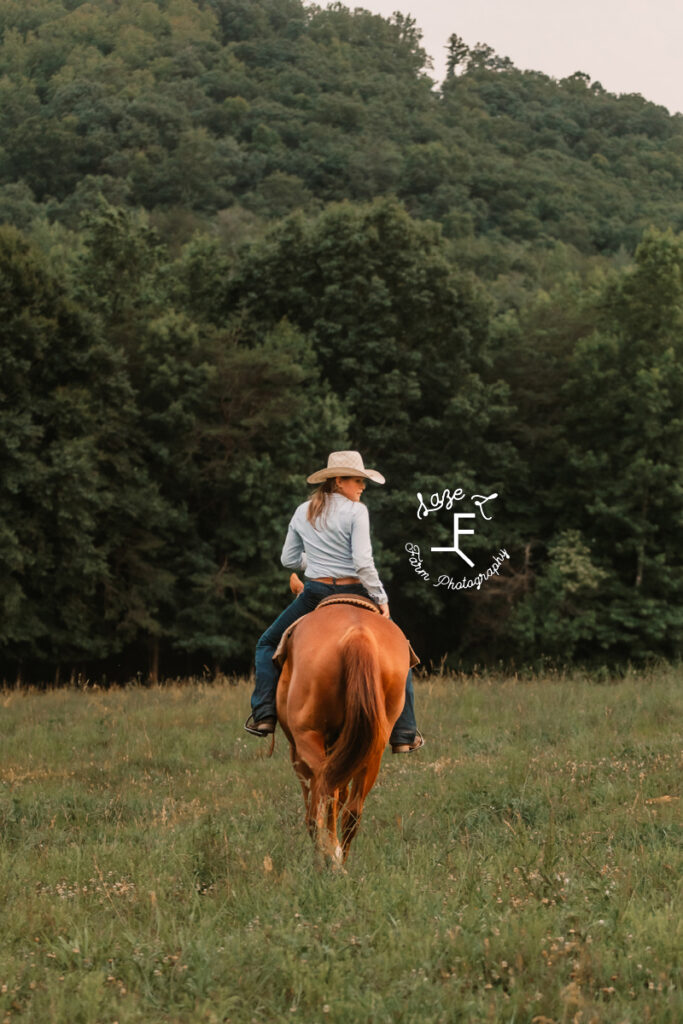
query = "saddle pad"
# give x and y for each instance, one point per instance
(280, 655)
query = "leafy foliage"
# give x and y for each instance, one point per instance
(242, 234)
(133, 469)
(277, 106)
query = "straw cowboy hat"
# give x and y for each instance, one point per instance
(345, 464)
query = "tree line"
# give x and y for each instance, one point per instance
(160, 414)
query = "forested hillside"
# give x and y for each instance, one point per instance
(271, 106)
(240, 233)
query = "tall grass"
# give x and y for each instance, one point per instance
(522, 867)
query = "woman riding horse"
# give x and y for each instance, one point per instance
(329, 540)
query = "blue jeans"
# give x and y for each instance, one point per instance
(268, 673)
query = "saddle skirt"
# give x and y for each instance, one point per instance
(280, 655)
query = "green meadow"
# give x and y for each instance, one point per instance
(524, 866)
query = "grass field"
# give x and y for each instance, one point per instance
(524, 866)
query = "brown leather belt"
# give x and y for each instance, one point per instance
(341, 582)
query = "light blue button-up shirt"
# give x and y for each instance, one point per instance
(338, 545)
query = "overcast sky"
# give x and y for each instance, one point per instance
(626, 45)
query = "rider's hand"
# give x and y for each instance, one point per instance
(295, 584)
(384, 608)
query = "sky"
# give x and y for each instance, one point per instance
(626, 45)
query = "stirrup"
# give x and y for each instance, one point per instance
(253, 727)
(409, 748)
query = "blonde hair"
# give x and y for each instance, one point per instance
(320, 500)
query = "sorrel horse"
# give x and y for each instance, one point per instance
(341, 690)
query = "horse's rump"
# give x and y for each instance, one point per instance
(344, 668)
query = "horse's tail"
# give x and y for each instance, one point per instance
(365, 718)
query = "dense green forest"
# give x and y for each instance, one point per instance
(237, 234)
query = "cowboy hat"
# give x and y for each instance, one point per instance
(345, 464)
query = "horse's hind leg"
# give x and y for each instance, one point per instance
(304, 775)
(335, 804)
(321, 810)
(363, 782)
